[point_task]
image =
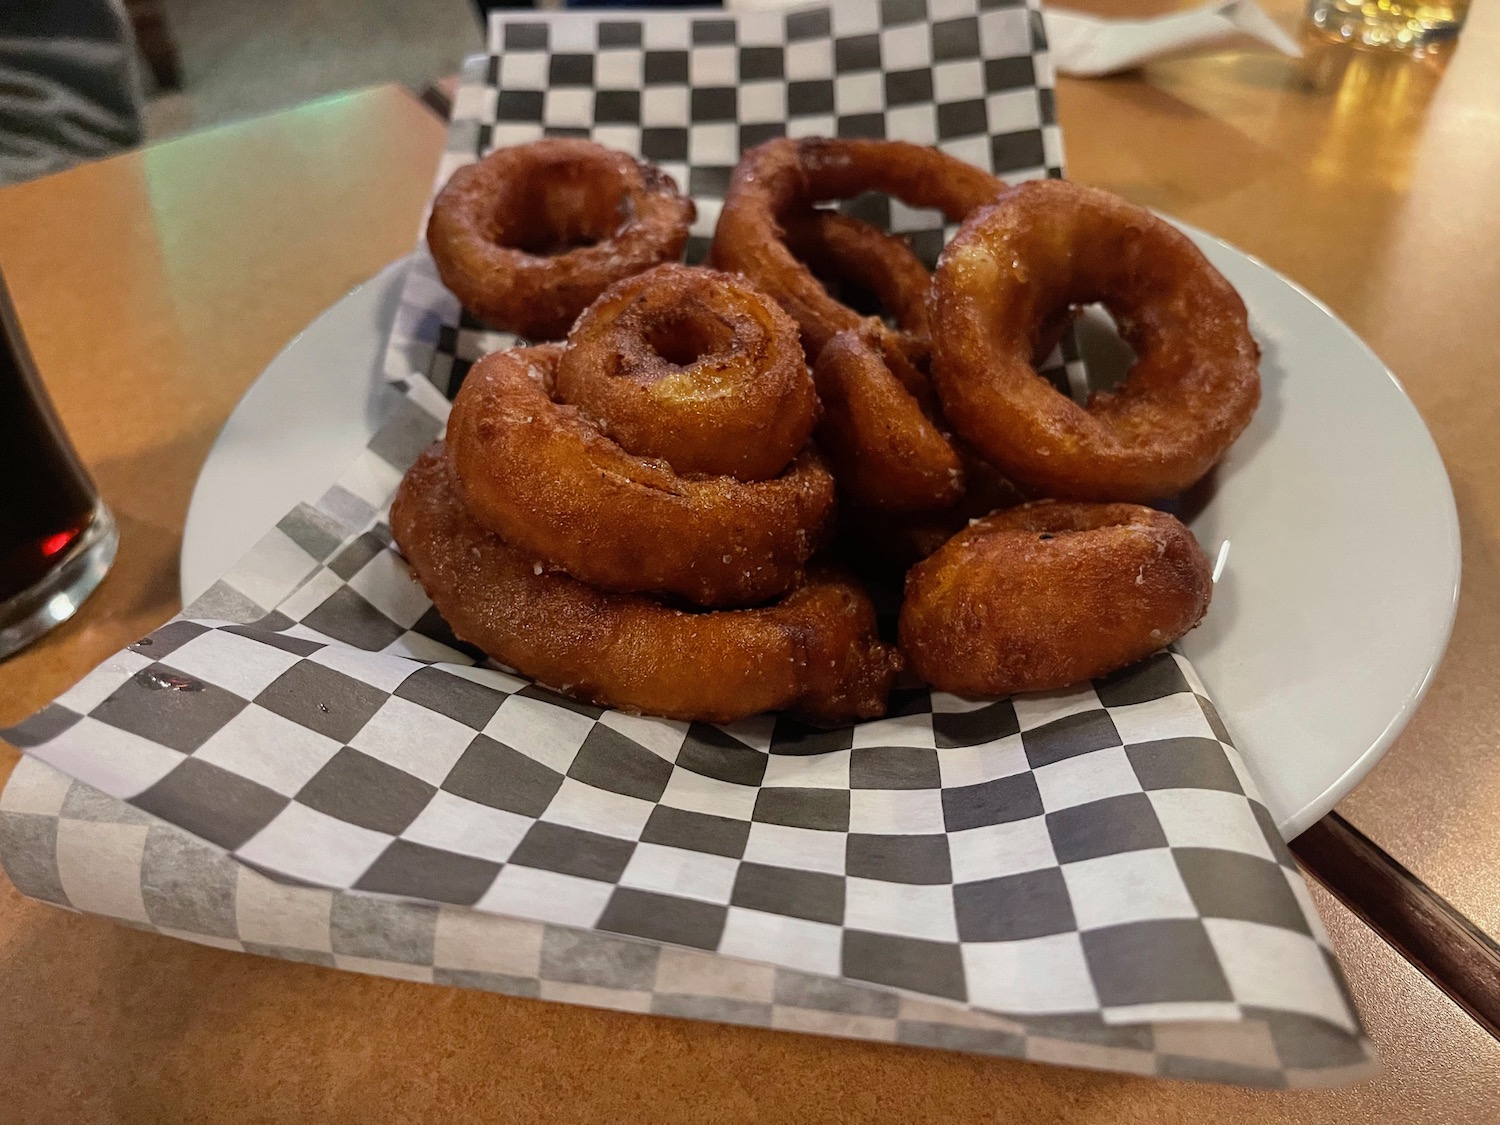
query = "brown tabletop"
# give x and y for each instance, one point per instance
(1371, 181)
(229, 241)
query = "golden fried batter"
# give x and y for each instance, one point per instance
(541, 475)
(815, 652)
(529, 235)
(1046, 246)
(779, 179)
(1048, 594)
(885, 451)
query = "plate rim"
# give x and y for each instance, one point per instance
(393, 272)
(1359, 769)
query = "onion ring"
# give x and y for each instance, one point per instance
(780, 177)
(1048, 245)
(527, 237)
(542, 476)
(885, 452)
(695, 367)
(887, 441)
(814, 653)
(1047, 594)
(850, 252)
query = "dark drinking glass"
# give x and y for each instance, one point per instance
(57, 539)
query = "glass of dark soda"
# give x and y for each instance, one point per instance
(57, 539)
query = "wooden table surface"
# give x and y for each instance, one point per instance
(1370, 180)
(1368, 188)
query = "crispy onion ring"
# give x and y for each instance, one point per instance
(849, 252)
(542, 476)
(782, 177)
(697, 368)
(886, 438)
(530, 235)
(885, 451)
(1048, 594)
(814, 653)
(1049, 245)
(882, 428)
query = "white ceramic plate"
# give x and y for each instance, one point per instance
(294, 433)
(1331, 519)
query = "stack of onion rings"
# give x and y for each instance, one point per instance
(540, 474)
(814, 652)
(881, 427)
(632, 516)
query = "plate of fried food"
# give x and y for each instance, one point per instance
(782, 479)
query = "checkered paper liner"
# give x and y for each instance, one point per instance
(66, 843)
(308, 764)
(1084, 877)
(692, 91)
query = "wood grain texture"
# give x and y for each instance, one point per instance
(154, 287)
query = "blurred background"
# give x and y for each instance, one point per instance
(82, 79)
(229, 60)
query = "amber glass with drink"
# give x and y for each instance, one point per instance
(1416, 26)
(57, 539)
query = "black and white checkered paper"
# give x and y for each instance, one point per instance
(308, 764)
(691, 92)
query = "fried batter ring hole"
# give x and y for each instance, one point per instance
(864, 268)
(1044, 248)
(553, 207)
(694, 367)
(689, 336)
(527, 237)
